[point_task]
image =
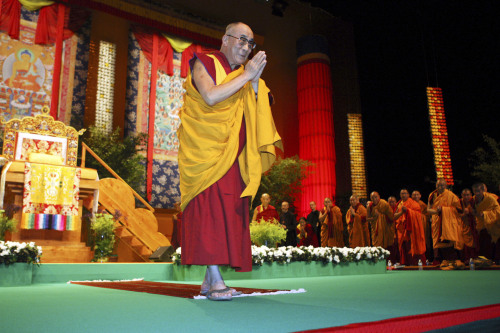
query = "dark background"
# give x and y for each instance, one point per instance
(401, 48)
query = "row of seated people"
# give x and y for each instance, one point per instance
(447, 231)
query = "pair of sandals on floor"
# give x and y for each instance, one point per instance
(227, 297)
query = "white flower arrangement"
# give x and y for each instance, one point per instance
(12, 252)
(287, 254)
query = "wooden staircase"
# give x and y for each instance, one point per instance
(136, 228)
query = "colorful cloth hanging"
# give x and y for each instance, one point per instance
(47, 221)
(51, 189)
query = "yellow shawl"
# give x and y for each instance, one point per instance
(209, 137)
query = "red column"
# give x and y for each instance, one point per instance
(315, 109)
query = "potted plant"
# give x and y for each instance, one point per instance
(267, 233)
(103, 231)
(7, 223)
(16, 262)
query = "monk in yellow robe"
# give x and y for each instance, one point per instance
(332, 227)
(408, 219)
(381, 218)
(357, 227)
(488, 219)
(226, 140)
(446, 224)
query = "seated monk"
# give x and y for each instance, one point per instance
(357, 227)
(305, 234)
(447, 230)
(488, 220)
(410, 230)
(265, 210)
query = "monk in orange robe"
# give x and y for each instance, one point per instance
(332, 227)
(357, 227)
(471, 236)
(416, 196)
(410, 230)
(488, 218)
(265, 210)
(381, 218)
(447, 230)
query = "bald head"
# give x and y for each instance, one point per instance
(375, 198)
(265, 199)
(285, 206)
(441, 185)
(354, 200)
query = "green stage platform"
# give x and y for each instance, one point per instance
(57, 273)
(329, 301)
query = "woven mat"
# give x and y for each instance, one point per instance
(175, 289)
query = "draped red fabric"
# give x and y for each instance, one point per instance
(151, 123)
(46, 29)
(187, 54)
(10, 17)
(144, 37)
(54, 104)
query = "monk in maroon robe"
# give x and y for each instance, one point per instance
(220, 161)
(306, 234)
(265, 210)
(471, 235)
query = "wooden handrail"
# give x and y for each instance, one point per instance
(86, 148)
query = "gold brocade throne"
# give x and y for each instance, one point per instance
(43, 140)
(40, 134)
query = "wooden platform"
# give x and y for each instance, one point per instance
(57, 246)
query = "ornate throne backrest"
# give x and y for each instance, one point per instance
(40, 134)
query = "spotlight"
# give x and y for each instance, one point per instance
(279, 7)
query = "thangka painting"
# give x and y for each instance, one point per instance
(26, 73)
(26, 70)
(169, 99)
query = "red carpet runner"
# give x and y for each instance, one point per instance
(160, 288)
(421, 323)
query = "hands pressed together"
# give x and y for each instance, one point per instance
(255, 66)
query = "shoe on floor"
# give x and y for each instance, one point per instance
(225, 294)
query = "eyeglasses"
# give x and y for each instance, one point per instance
(244, 41)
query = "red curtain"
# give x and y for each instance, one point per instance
(46, 28)
(165, 54)
(10, 15)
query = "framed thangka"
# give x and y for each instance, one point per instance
(26, 74)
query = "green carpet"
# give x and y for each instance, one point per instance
(329, 301)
